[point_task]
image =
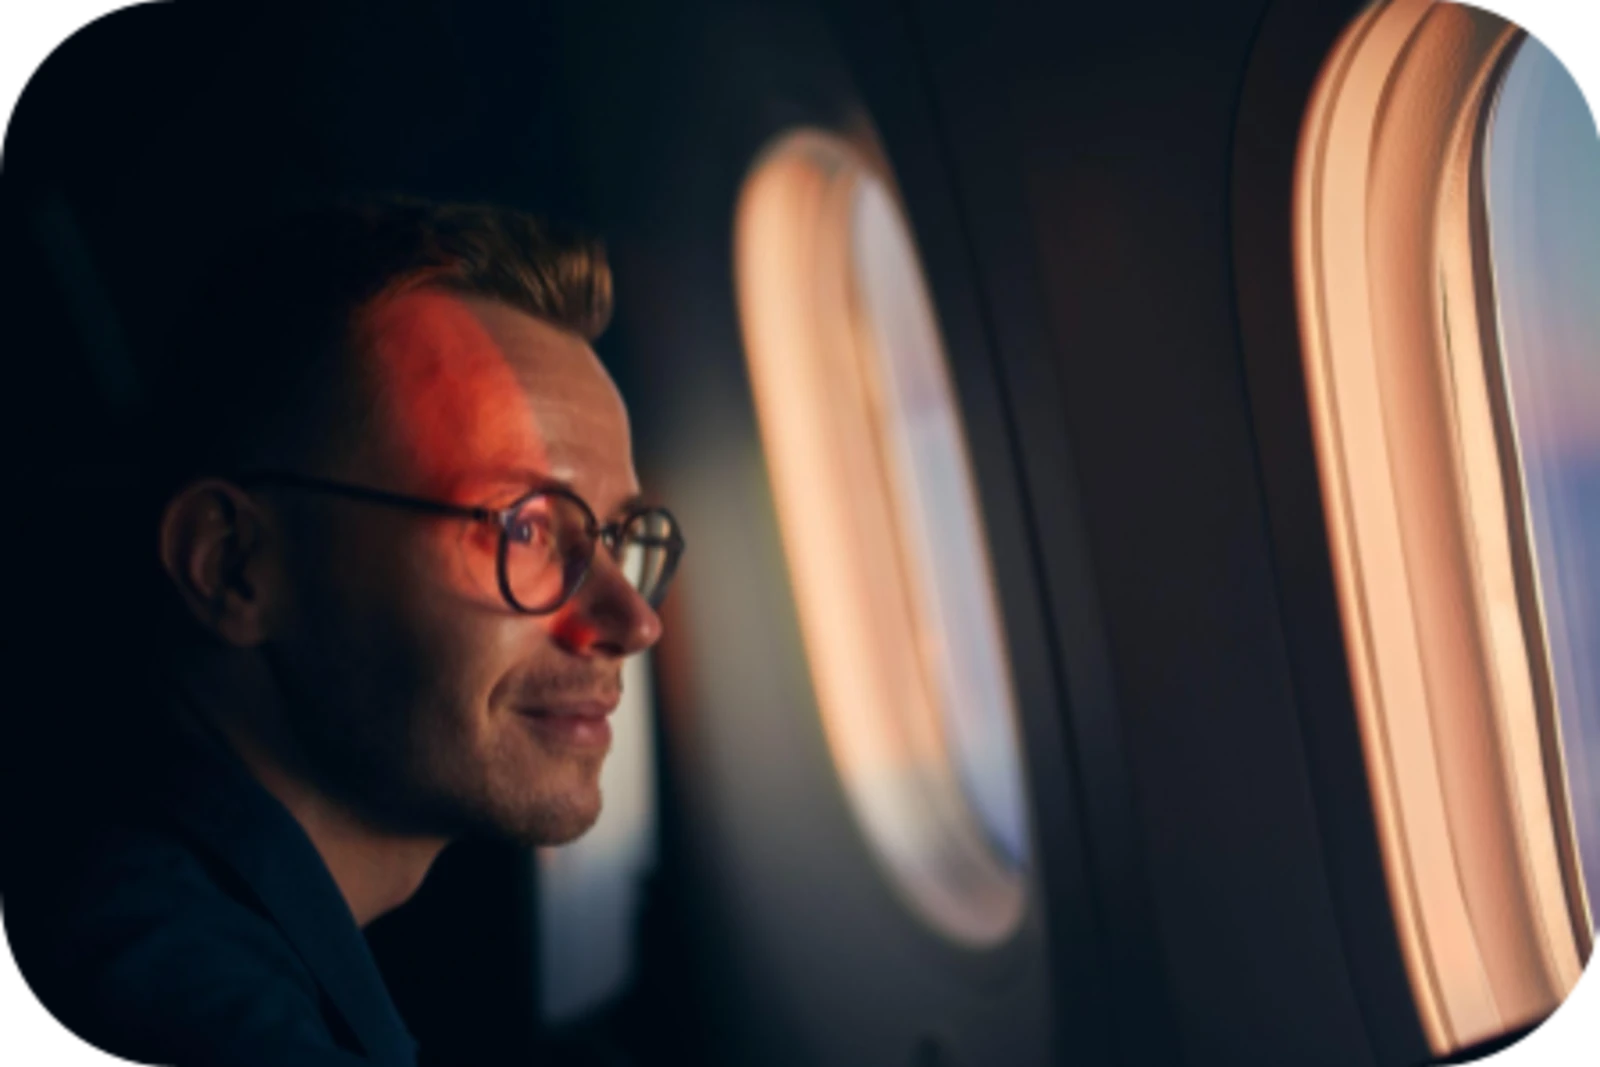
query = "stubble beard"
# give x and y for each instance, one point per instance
(437, 779)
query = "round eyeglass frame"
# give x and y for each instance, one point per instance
(611, 534)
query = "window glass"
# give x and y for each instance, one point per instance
(942, 539)
(1543, 195)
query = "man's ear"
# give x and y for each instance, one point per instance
(216, 546)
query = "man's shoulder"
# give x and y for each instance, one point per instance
(138, 886)
(141, 943)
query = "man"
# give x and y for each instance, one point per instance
(407, 553)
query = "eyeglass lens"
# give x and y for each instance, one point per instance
(645, 553)
(548, 548)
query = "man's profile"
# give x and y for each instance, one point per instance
(403, 554)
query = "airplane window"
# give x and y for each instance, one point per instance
(589, 890)
(1448, 258)
(882, 531)
(1542, 176)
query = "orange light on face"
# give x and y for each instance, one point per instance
(448, 391)
(455, 417)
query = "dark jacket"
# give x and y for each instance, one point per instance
(197, 925)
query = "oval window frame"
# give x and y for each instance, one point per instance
(808, 341)
(1442, 636)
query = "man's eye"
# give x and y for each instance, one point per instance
(529, 530)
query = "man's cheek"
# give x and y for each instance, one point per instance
(469, 662)
(464, 563)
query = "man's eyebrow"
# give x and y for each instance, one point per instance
(632, 504)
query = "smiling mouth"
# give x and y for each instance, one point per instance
(570, 730)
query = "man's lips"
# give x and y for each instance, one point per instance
(579, 723)
(585, 708)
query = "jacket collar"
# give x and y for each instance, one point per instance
(213, 796)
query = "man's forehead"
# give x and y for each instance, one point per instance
(478, 392)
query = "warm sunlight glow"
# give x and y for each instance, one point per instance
(1445, 644)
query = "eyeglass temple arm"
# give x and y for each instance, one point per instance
(491, 516)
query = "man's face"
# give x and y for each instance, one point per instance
(415, 693)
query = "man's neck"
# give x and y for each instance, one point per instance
(376, 870)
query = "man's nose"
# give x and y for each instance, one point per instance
(607, 616)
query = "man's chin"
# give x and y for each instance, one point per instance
(554, 820)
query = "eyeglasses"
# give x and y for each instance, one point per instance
(547, 539)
